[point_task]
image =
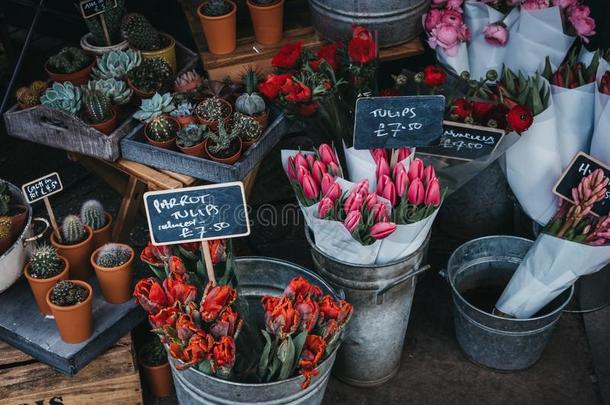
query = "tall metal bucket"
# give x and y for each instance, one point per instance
(489, 340)
(382, 297)
(257, 276)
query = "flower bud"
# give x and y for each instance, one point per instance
(382, 230)
(416, 169)
(310, 160)
(402, 183)
(333, 192)
(317, 171)
(333, 169)
(383, 168)
(379, 154)
(389, 192)
(429, 174)
(302, 171)
(403, 153)
(353, 202)
(310, 187)
(352, 221)
(370, 201)
(433, 193)
(299, 160)
(362, 187)
(416, 191)
(327, 181)
(327, 154)
(325, 208)
(380, 213)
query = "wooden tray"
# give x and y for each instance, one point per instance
(134, 147)
(65, 131)
(22, 326)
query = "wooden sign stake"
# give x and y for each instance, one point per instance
(47, 205)
(207, 259)
(105, 29)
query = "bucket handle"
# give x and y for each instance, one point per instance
(380, 293)
(39, 235)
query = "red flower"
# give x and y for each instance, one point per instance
(150, 295)
(223, 353)
(283, 320)
(177, 351)
(215, 298)
(226, 324)
(155, 255)
(482, 111)
(519, 119)
(328, 53)
(329, 330)
(218, 250)
(272, 85)
(434, 76)
(340, 311)
(165, 317)
(299, 287)
(362, 47)
(312, 354)
(308, 310)
(462, 108)
(288, 56)
(299, 93)
(198, 349)
(269, 302)
(604, 83)
(185, 327)
(178, 290)
(192, 247)
(308, 109)
(387, 92)
(176, 266)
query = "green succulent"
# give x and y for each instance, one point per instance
(248, 128)
(112, 17)
(154, 107)
(151, 75)
(112, 255)
(220, 143)
(140, 34)
(66, 293)
(68, 60)
(162, 128)
(72, 230)
(63, 96)
(116, 64)
(191, 135)
(45, 263)
(212, 109)
(93, 214)
(116, 90)
(250, 102)
(215, 8)
(184, 109)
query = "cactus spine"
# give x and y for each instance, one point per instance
(215, 8)
(66, 293)
(92, 213)
(162, 129)
(140, 33)
(98, 107)
(113, 255)
(45, 263)
(73, 231)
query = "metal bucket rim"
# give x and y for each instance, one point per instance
(457, 293)
(16, 192)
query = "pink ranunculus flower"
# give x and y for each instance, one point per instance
(565, 3)
(535, 4)
(455, 5)
(582, 22)
(431, 19)
(382, 230)
(352, 220)
(464, 33)
(496, 34)
(579, 11)
(452, 17)
(445, 36)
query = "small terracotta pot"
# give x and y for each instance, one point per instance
(104, 234)
(75, 323)
(106, 127)
(228, 160)
(196, 150)
(41, 286)
(168, 53)
(77, 78)
(220, 32)
(115, 282)
(158, 378)
(268, 22)
(77, 255)
(262, 119)
(169, 144)
(138, 95)
(18, 221)
(246, 144)
(186, 120)
(213, 125)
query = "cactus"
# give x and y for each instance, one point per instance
(154, 107)
(92, 213)
(72, 230)
(140, 33)
(45, 263)
(29, 96)
(215, 8)
(162, 129)
(188, 81)
(5, 227)
(112, 255)
(191, 135)
(63, 96)
(247, 127)
(112, 18)
(151, 75)
(38, 86)
(98, 107)
(250, 102)
(184, 109)
(66, 293)
(116, 64)
(116, 90)
(221, 142)
(68, 60)
(5, 198)
(153, 353)
(212, 109)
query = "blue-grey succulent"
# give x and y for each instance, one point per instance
(63, 96)
(116, 64)
(116, 90)
(155, 106)
(183, 110)
(191, 135)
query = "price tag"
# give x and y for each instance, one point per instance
(91, 8)
(42, 188)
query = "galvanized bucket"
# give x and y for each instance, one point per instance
(489, 340)
(396, 21)
(382, 298)
(257, 276)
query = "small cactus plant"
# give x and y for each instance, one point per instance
(151, 75)
(29, 96)
(212, 109)
(250, 102)
(66, 293)
(116, 64)
(221, 142)
(191, 135)
(153, 353)
(216, 8)
(72, 230)
(140, 34)
(5, 227)
(68, 60)
(153, 107)
(92, 213)
(248, 128)
(45, 263)
(98, 107)
(113, 255)
(162, 129)
(63, 96)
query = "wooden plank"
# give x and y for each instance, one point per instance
(107, 172)
(182, 178)
(132, 198)
(148, 175)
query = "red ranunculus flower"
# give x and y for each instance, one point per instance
(226, 324)
(215, 298)
(178, 290)
(519, 119)
(272, 85)
(150, 295)
(462, 108)
(482, 111)
(155, 255)
(387, 92)
(176, 265)
(185, 327)
(312, 354)
(362, 47)
(329, 53)
(341, 311)
(283, 320)
(299, 287)
(223, 354)
(434, 76)
(299, 93)
(165, 317)
(308, 109)
(309, 310)
(288, 56)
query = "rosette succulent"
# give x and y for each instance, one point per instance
(155, 106)
(116, 90)
(183, 110)
(188, 81)
(191, 135)
(116, 64)
(68, 60)
(63, 96)
(151, 75)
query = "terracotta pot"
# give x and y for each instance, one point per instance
(106, 127)
(185, 121)
(213, 125)
(246, 144)
(41, 286)
(75, 323)
(158, 378)
(77, 78)
(168, 53)
(268, 22)
(18, 221)
(220, 32)
(169, 144)
(115, 282)
(77, 255)
(228, 160)
(196, 150)
(138, 95)
(262, 119)
(104, 234)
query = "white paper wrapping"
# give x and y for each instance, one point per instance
(600, 143)
(361, 165)
(550, 267)
(456, 64)
(405, 240)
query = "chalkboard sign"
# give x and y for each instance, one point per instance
(395, 122)
(42, 187)
(196, 214)
(464, 142)
(583, 165)
(91, 8)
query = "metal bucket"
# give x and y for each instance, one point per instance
(382, 297)
(396, 21)
(257, 276)
(492, 341)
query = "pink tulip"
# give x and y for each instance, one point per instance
(379, 154)
(352, 220)
(291, 169)
(327, 181)
(333, 192)
(496, 34)
(433, 193)
(403, 153)
(333, 168)
(402, 183)
(416, 169)
(389, 193)
(431, 19)
(415, 195)
(362, 187)
(380, 213)
(565, 3)
(299, 160)
(310, 187)
(317, 171)
(310, 160)
(382, 230)
(429, 174)
(382, 183)
(370, 201)
(452, 17)
(301, 172)
(327, 154)
(383, 168)
(325, 207)
(353, 202)
(400, 167)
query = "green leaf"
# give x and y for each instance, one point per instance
(264, 360)
(158, 273)
(205, 367)
(285, 354)
(299, 342)
(547, 73)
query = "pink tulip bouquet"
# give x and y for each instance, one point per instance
(600, 147)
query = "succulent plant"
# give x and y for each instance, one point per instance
(116, 90)
(66, 293)
(38, 86)
(112, 255)
(191, 135)
(188, 81)
(5, 198)
(68, 60)
(116, 64)
(29, 96)
(220, 143)
(112, 17)
(162, 128)
(151, 75)
(140, 34)
(183, 110)
(154, 106)
(250, 102)
(215, 8)
(5, 227)
(62, 96)
(45, 263)
(92, 213)
(153, 353)
(98, 107)
(212, 109)
(248, 128)
(72, 230)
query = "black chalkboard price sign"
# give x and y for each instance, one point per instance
(91, 8)
(464, 142)
(396, 122)
(196, 214)
(581, 166)
(42, 188)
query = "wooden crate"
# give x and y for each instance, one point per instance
(112, 378)
(65, 131)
